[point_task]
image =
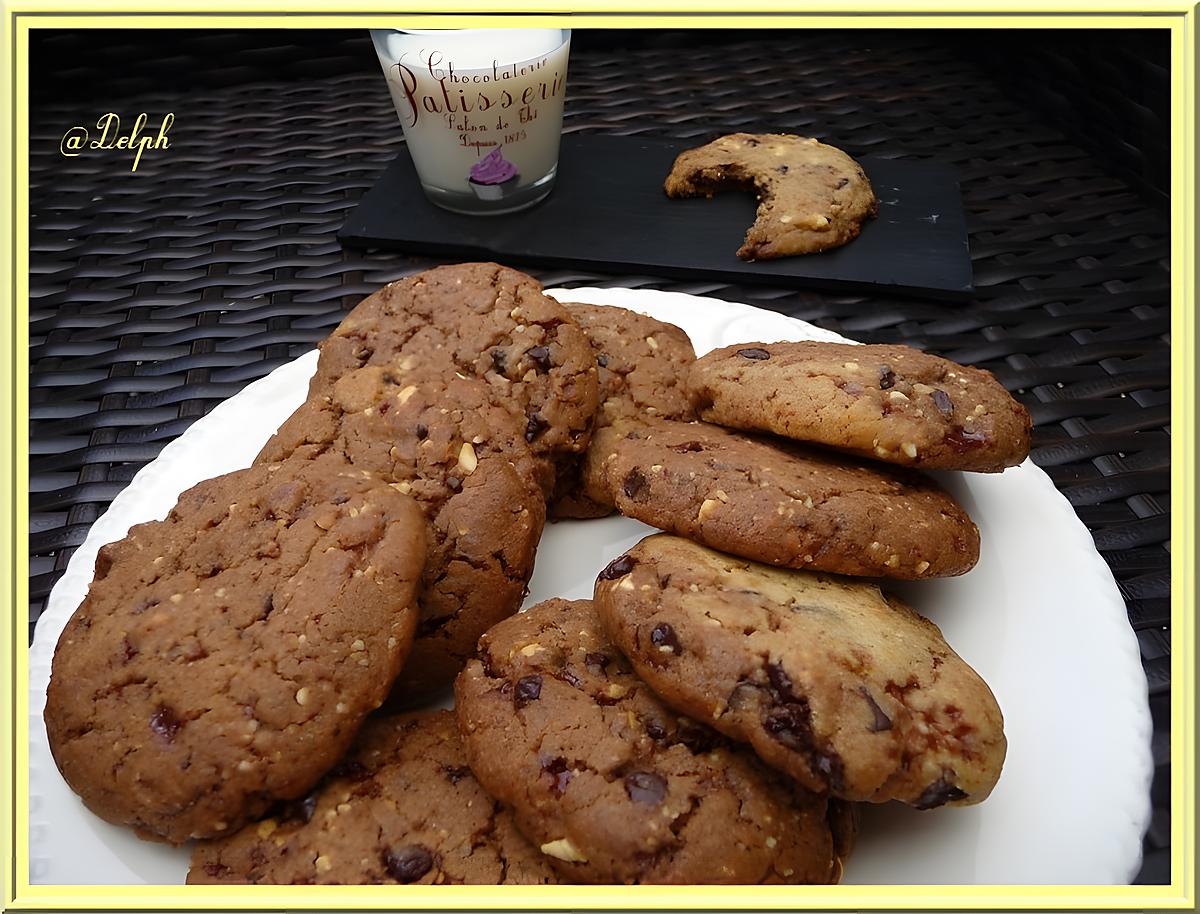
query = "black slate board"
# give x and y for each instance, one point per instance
(608, 211)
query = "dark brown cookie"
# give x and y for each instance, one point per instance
(643, 363)
(810, 196)
(843, 687)
(891, 403)
(773, 501)
(401, 807)
(478, 320)
(443, 441)
(613, 786)
(225, 657)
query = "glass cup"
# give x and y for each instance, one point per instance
(481, 111)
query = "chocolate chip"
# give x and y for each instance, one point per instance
(560, 775)
(939, 793)
(962, 440)
(655, 730)
(754, 354)
(663, 636)
(790, 725)
(455, 773)
(688, 447)
(617, 568)
(842, 183)
(602, 360)
(782, 169)
(636, 484)
(453, 483)
(529, 688)
(540, 356)
(781, 684)
(128, 651)
(499, 360)
(596, 662)
(535, 426)
(881, 721)
(408, 864)
(339, 499)
(942, 401)
(268, 606)
(165, 723)
(751, 141)
(646, 787)
(887, 377)
(384, 407)
(569, 677)
(422, 431)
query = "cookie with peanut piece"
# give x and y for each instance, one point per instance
(811, 196)
(643, 366)
(829, 679)
(775, 501)
(225, 657)
(887, 402)
(482, 321)
(441, 439)
(613, 786)
(401, 808)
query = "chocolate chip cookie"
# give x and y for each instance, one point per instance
(843, 687)
(225, 657)
(643, 363)
(442, 440)
(401, 807)
(478, 320)
(811, 197)
(610, 784)
(890, 403)
(777, 502)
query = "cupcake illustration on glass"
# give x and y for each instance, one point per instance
(493, 176)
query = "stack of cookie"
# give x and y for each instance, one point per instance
(714, 713)
(225, 658)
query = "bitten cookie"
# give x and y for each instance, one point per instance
(402, 807)
(843, 687)
(643, 363)
(891, 403)
(484, 321)
(773, 501)
(225, 657)
(810, 196)
(442, 440)
(614, 787)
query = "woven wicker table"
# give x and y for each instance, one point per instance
(156, 295)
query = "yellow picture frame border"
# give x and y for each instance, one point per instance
(20, 17)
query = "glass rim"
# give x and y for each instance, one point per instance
(377, 36)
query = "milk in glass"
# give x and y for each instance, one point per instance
(481, 111)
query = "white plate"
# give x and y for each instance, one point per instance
(1040, 618)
